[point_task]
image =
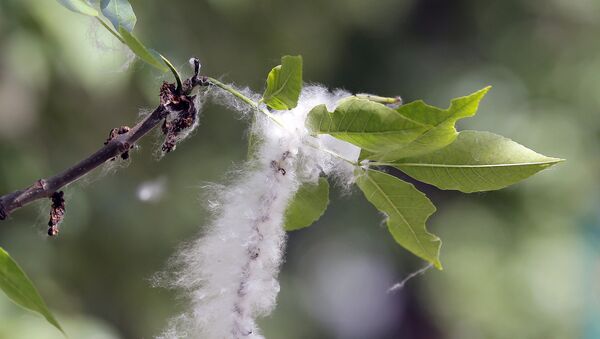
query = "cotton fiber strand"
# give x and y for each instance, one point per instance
(230, 273)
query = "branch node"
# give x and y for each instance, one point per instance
(124, 146)
(41, 183)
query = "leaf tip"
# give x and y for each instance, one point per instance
(297, 57)
(436, 260)
(553, 161)
(482, 92)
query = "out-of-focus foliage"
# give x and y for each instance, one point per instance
(79, 6)
(520, 262)
(140, 50)
(120, 13)
(16, 285)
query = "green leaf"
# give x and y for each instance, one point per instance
(406, 209)
(141, 51)
(369, 125)
(476, 161)
(284, 84)
(386, 134)
(441, 132)
(307, 206)
(120, 13)
(17, 286)
(79, 6)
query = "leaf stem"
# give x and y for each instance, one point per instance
(165, 60)
(274, 118)
(247, 100)
(379, 99)
(174, 71)
(113, 32)
(330, 152)
(375, 163)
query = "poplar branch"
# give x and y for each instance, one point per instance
(172, 99)
(44, 188)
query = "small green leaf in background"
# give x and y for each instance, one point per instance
(369, 125)
(17, 286)
(407, 210)
(307, 206)
(284, 84)
(476, 161)
(141, 51)
(120, 13)
(79, 6)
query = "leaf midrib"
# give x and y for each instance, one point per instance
(399, 213)
(378, 132)
(476, 166)
(432, 128)
(281, 87)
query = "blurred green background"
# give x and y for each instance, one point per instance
(523, 262)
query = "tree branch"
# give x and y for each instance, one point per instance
(172, 99)
(44, 188)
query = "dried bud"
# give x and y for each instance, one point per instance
(185, 118)
(57, 212)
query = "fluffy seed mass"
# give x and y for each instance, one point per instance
(230, 273)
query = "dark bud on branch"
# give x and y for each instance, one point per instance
(57, 213)
(113, 134)
(182, 116)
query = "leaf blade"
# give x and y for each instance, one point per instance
(475, 162)
(307, 206)
(119, 13)
(19, 288)
(407, 210)
(441, 132)
(284, 84)
(369, 125)
(141, 51)
(79, 6)
(385, 134)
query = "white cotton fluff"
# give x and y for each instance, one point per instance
(230, 273)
